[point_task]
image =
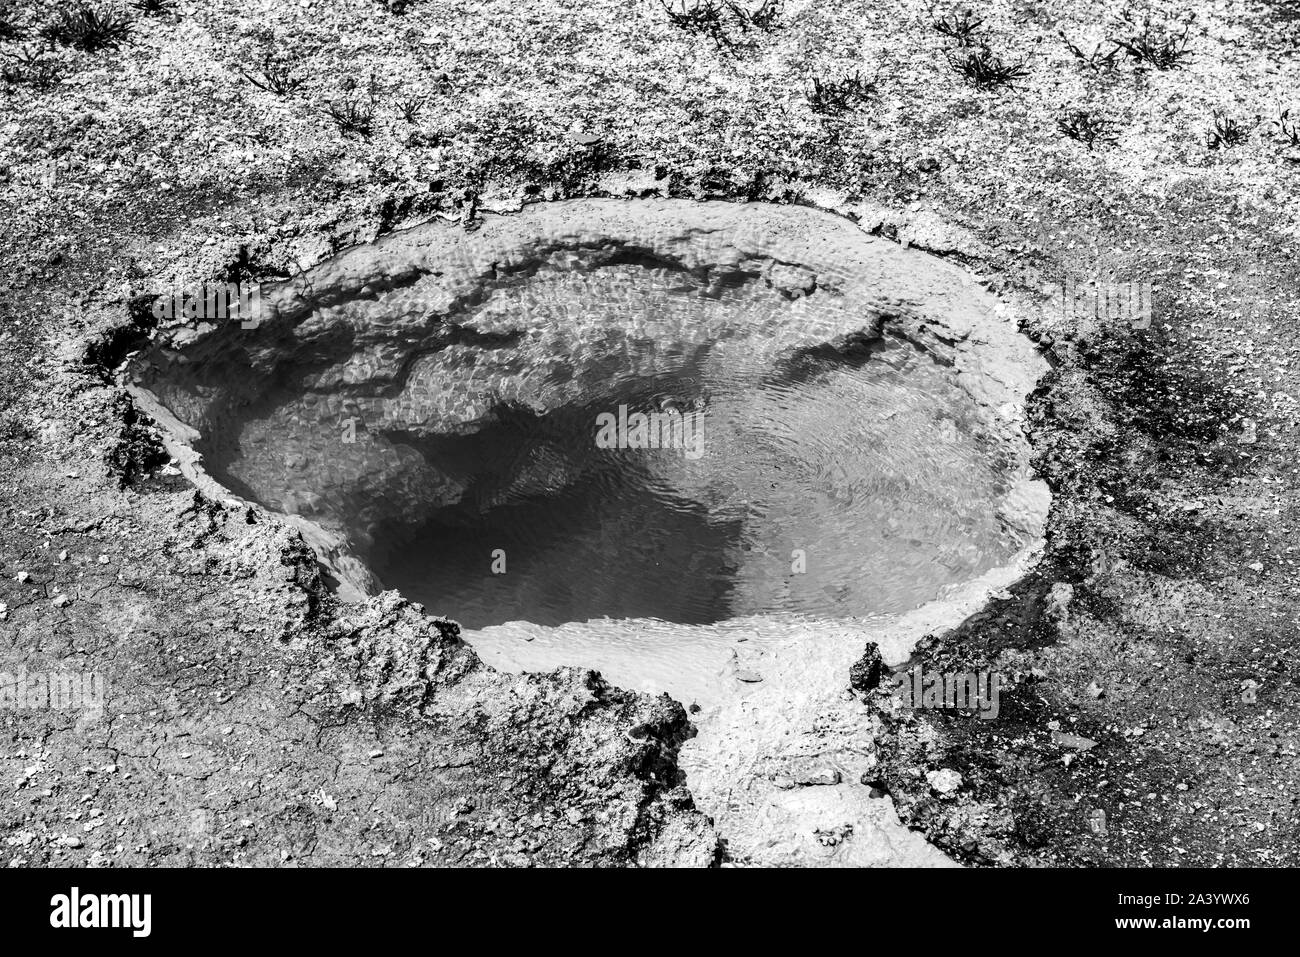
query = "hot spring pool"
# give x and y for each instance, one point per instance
(468, 418)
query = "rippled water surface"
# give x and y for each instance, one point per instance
(827, 482)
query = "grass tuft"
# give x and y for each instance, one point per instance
(1096, 61)
(986, 71)
(410, 108)
(711, 18)
(155, 8)
(839, 96)
(1286, 130)
(273, 77)
(963, 29)
(1087, 128)
(355, 115)
(1155, 47)
(89, 31)
(1227, 133)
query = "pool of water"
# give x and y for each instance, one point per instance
(485, 446)
(833, 484)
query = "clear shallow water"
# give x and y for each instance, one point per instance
(831, 482)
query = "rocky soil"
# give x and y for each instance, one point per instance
(254, 719)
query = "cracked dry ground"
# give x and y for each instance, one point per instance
(252, 720)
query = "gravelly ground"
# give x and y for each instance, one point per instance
(1171, 450)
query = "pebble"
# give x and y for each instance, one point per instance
(944, 780)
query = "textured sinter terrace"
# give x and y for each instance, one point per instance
(426, 409)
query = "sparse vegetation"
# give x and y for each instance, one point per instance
(1155, 47)
(1096, 60)
(89, 31)
(839, 96)
(765, 17)
(354, 115)
(959, 28)
(274, 77)
(1087, 128)
(32, 68)
(1226, 133)
(410, 108)
(711, 17)
(155, 8)
(986, 71)
(1286, 130)
(698, 16)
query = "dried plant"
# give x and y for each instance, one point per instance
(962, 29)
(765, 17)
(1096, 60)
(1286, 130)
(273, 77)
(411, 107)
(354, 115)
(1155, 47)
(32, 68)
(839, 96)
(1226, 133)
(985, 71)
(1087, 128)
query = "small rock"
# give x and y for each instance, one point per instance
(944, 780)
(1074, 741)
(784, 782)
(103, 559)
(22, 577)
(61, 601)
(878, 789)
(749, 676)
(822, 776)
(1094, 690)
(574, 815)
(867, 670)
(1058, 601)
(63, 556)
